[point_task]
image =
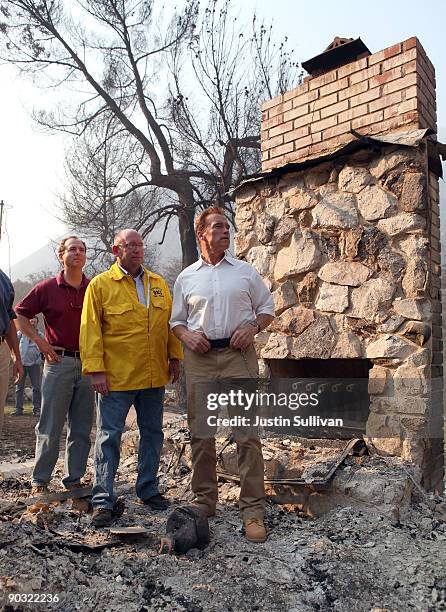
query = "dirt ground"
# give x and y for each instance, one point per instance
(351, 559)
(18, 435)
(18, 439)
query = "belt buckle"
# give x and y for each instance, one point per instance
(220, 343)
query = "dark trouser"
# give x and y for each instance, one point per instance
(112, 412)
(35, 376)
(5, 358)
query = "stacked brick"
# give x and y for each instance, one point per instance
(391, 90)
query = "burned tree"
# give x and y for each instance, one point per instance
(127, 58)
(96, 166)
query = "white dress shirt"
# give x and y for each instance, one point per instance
(218, 299)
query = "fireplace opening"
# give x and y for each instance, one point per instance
(340, 389)
(319, 368)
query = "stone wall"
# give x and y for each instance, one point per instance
(349, 249)
(391, 89)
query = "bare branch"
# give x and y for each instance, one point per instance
(177, 92)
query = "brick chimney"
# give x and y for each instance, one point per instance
(349, 243)
(392, 90)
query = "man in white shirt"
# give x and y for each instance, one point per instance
(220, 303)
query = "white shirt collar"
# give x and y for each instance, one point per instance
(200, 262)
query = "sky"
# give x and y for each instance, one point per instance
(31, 162)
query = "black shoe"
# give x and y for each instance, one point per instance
(157, 502)
(16, 413)
(102, 517)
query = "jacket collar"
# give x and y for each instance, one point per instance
(117, 273)
(141, 271)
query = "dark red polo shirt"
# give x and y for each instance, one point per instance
(61, 306)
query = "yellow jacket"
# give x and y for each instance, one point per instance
(123, 338)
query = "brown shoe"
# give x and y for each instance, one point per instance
(254, 530)
(39, 490)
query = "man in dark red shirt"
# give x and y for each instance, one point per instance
(66, 394)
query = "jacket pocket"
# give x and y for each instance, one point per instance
(119, 318)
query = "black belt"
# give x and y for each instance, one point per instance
(220, 342)
(66, 353)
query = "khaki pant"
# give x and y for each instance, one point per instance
(218, 364)
(5, 356)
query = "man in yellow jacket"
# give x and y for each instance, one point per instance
(129, 351)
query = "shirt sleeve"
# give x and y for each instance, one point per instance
(179, 306)
(91, 343)
(262, 300)
(30, 305)
(11, 314)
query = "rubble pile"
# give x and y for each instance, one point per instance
(351, 558)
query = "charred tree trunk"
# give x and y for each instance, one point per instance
(190, 255)
(187, 236)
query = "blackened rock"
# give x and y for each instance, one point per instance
(187, 527)
(389, 261)
(372, 242)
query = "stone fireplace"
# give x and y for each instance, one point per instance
(343, 224)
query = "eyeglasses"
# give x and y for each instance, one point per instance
(132, 246)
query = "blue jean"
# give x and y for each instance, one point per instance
(66, 396)
(35, 376)
(112, 410)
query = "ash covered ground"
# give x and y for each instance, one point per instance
(351, 558)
